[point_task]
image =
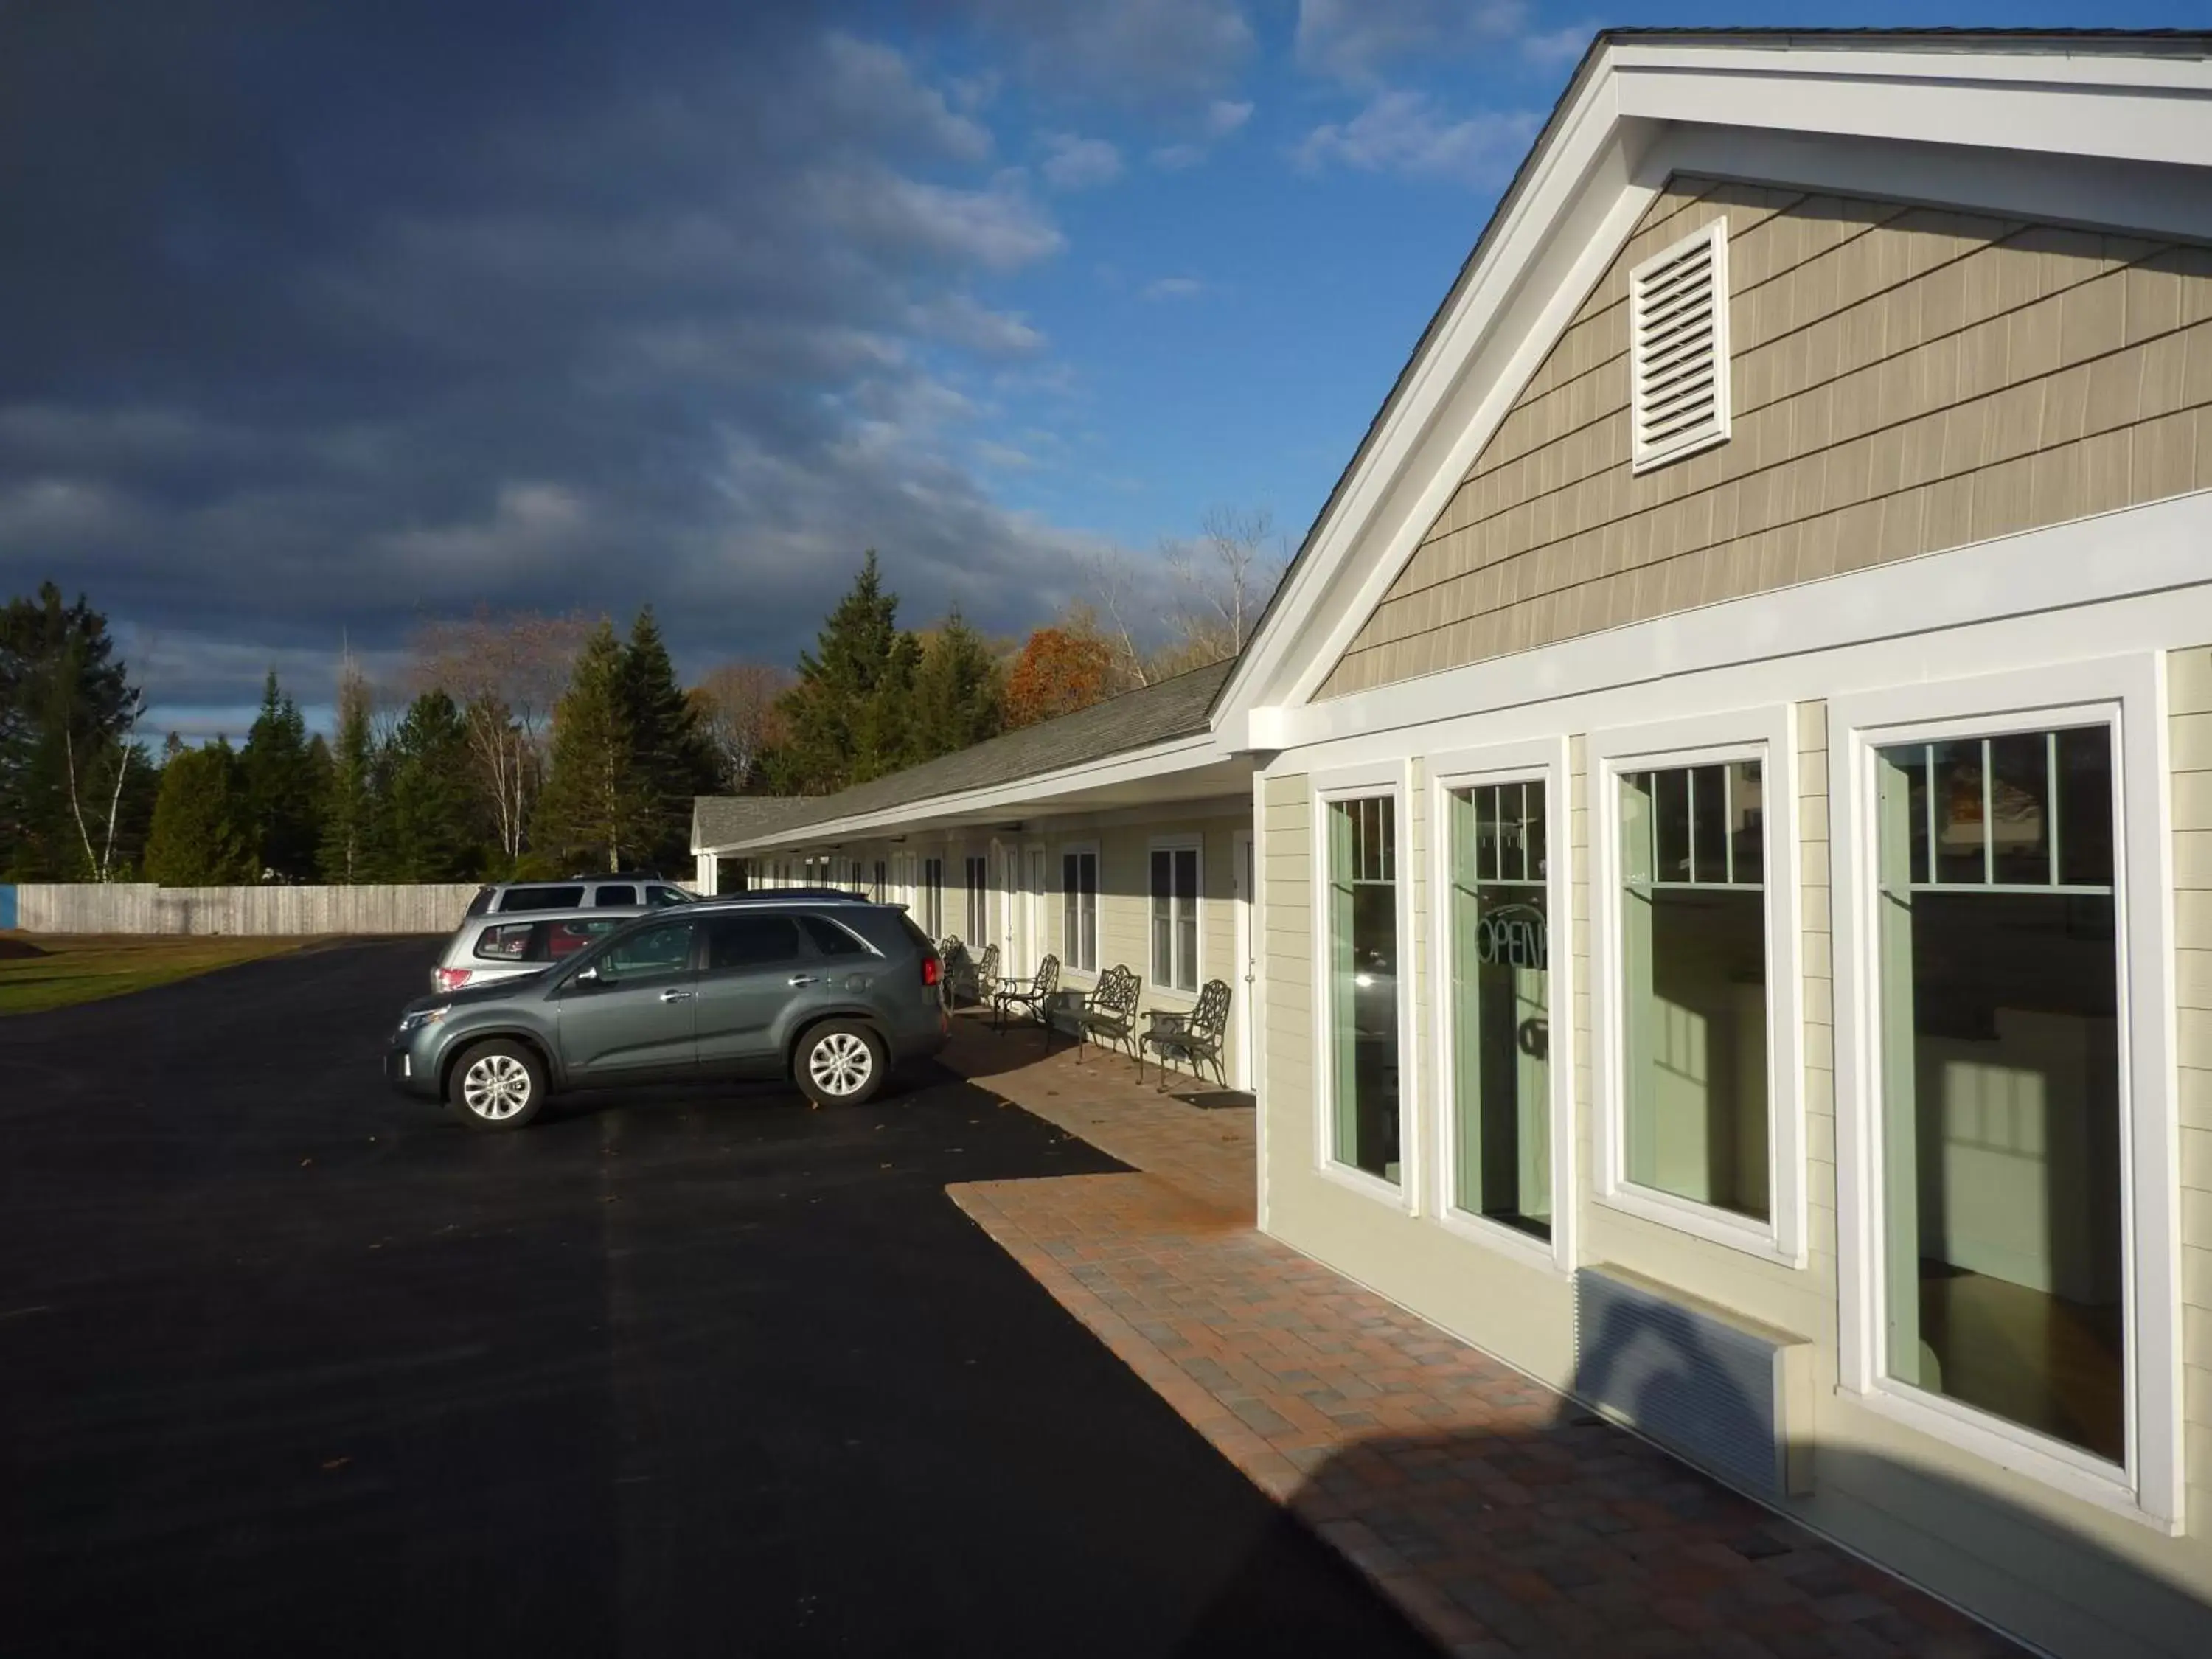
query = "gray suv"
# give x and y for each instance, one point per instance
(833, 995)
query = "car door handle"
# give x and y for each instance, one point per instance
(804, 979)
(676, 996)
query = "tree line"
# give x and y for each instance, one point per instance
(524, 746)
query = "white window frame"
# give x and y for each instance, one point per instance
(1167, 989)
(1769, 736)
(2129, 694)
(1394, 779)
(1067, 963)
(1644, 457)
(1544, 761)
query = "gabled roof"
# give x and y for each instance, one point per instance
(718, 820)
(1159, 713)
(2103, 94)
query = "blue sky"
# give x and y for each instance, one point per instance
(477, 302)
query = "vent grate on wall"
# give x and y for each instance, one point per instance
(1723, 1392)
(1678, 348)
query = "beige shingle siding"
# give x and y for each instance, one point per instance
(1907, 380)
(2189, 686)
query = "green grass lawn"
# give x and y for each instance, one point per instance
(52, 970)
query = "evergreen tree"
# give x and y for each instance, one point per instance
(959, 694)
(847, 714)
(431, 831)
(200, 836)
(669, 753)
(348, 851)
(282, 779)
(67, 709)
(596, 804)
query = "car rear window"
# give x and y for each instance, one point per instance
(922, 941)
(659, 895)
(830, 940)
(541, 941)
(482, 902)
(543, 898)
(507, 941)
(608, 895)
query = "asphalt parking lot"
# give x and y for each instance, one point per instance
(288, 1363)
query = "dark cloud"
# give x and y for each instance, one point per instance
(332, 318)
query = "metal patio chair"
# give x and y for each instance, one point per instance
(1109, 1014)
(1196, 1038)
(1035, 999)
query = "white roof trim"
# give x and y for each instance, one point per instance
(1176, 754)
(1638, 110)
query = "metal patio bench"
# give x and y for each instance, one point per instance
(1195, 1038)
(1035, 999)
(976, 978)
(1109, 1014)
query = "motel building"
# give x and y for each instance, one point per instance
(1712, 845)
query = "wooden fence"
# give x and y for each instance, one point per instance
(142, 908)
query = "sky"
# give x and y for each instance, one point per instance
(321, 321)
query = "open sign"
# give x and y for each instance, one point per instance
(1513, 936)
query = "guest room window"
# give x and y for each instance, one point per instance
(1078, 911)
(979, 901)
(1174, 918)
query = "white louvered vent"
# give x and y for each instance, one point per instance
(1678, 348)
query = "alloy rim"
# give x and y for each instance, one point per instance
(496, 1086)
(840, 1063)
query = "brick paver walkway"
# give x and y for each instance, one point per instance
(1503, 1517)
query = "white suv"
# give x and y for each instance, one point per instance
(617, 892)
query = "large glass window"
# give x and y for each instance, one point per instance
(1174, 917)
(933, 896)
(1694, 955)
(1501, 1007)
(1362, 976)
(979, 900)
(1999, 964)
(1079, 911)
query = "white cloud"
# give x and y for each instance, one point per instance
(1141, 50)
(872, 82)
(962, 320)
(998, 229)
(1178, 158)
(1354, 39)
(1408, 133)
(1003, 457)
(1172, 288)
(1077, 163)
(1223, 117)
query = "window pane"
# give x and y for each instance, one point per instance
(1364, 985)
(2085, 807)
(1670, 793)
(2019, 808)
(2001, 1108)
(1746, 821)
(830, 940)
(1709, 823)
(1959, 842)
(1535, 844)
(612, 896)
(1501, 1032)
(1163, 919)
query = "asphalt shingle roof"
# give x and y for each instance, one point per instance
(1176, 707)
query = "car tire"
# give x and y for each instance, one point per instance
(499, 1084)
(840, 1062)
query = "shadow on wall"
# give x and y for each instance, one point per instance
(1553, 1531)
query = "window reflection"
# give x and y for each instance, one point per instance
(1364, 983)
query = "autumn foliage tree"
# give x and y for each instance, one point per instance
(1060, 670)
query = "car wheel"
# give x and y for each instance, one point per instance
(839, 1063)
(496, 1085)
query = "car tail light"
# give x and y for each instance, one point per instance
(932, 971)
(450, 979)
